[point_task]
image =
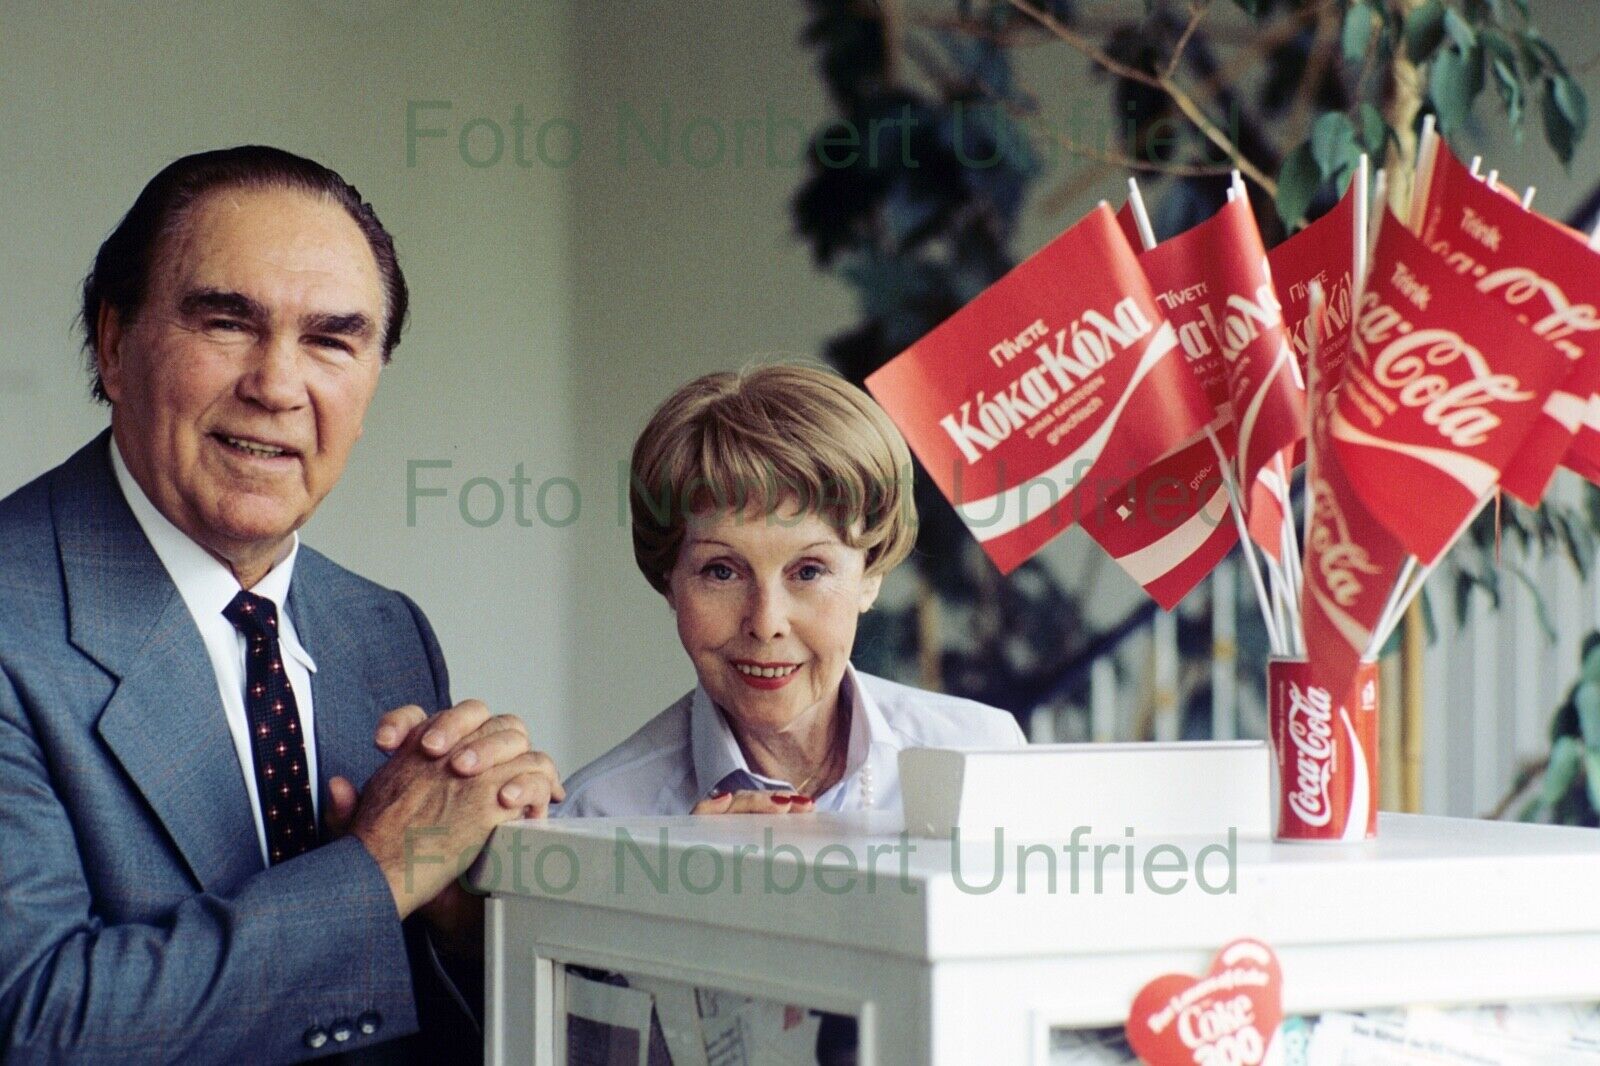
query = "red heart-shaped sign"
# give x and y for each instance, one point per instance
(1226, 1018)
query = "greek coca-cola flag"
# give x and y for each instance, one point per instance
(1443, 389)
(1245, 320)
(1322, 252)
(1169, 527)
(1551, 284)
(1351, 560)
(1056, 386)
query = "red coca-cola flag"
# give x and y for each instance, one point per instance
(1056, 386)
(1323, 252)
(1169, 527)
(1443, 389)
(1246, 319)
(1352, 561)
(1549, 282)
(1270, 505)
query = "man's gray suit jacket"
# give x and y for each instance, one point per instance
(138, 922)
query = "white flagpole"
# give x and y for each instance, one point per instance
(1362, 220)
(1419, 576)
(1286, 581)
(1245, 543)
(1421, 178)
(1141, 217)
(1477, 161)
(1527, 196)
(1147, 237)
(1313, 396)
(1380, 197)
(1594, 235)
(1422, 173)
(1380, 631)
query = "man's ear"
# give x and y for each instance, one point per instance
(108, 350)
(869, 591)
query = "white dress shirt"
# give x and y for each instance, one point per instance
(207, 587)
(688, 751)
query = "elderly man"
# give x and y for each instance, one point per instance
(234, 793)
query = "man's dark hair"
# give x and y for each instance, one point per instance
(120, 276)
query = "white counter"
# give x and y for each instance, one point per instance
(1435, 910)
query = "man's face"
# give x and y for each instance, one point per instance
(241, 386)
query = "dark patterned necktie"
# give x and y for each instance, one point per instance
(283, 780)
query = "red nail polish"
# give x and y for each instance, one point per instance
(718, 794)
(783, 797)
(804, 799)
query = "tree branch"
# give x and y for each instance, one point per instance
(1194, 114)
(1149, 166)
(1197, 12)
(1085, 46)
(1185, 103)
(1323, 42)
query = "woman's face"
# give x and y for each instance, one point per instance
(767, 607)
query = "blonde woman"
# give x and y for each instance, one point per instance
(767, 506)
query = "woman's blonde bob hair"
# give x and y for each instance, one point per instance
(760, 439)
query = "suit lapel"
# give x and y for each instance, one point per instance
(164, 721)
(346, 713)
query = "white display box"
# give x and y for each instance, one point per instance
(1176, 789)
(939, 970)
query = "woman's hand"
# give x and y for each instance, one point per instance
(756, 801)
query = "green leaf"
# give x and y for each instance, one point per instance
(1459, 31)
(1573, 104)
(1590, 670)
(1374, 132)
(1297, 184)
(1333, 142)
(1454, 78)
(1541, 609)
(1357, 32)
(1591, 775)
(1542, 54)
(1499, 46)
(1586, 698)
(1424, 29)
(1566, 755)
(1510, 88)
(1522, 6)
(1558, 128)
(1578, 540)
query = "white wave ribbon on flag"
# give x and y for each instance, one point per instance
(1155, 561)
(1006, 511)
(1568, 409)
(1252, 414)
(1357, 635)
(1474, 475)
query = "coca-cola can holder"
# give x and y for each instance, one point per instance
(1325, 753)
